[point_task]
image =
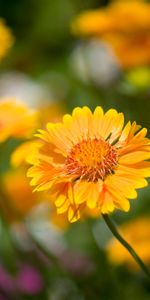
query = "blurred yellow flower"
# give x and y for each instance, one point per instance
(46, 113)
(16, 120)
(14, 191)
(6, 39)
(115, 16)
(19, 200)
(123, 25)
(137, 233)
(22, 152)
(90, 160)
(18, 194)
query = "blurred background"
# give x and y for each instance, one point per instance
(54, 56)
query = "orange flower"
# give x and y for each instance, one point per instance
(105, 20)
(16, 120)
(18, 193)
(6, 39)
(131, 51)
(19, 199)
(20, 154)
(89, 160)
(137, 233)
(125, 26)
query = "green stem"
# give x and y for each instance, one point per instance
(125, 244)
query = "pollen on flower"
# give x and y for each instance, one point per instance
(91, 159)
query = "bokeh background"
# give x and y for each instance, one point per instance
(58, 61)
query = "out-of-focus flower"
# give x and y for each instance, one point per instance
(15, 183)
(137, 233)
(6, 39)
(139, 77)
(18, 193)
(29, 280)
(90, 160)
(51, 112)
(131, 51)
(16, 120)
(95, 62)
(20, 201)
(20, 154)
(91, 22)
(46, 113)
(129, 39)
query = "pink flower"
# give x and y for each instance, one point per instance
(29, 280)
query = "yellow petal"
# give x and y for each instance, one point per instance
(107, 204)
(87, 192)
(134, 157)
(73, 214)
(59, 137)
(63, 208)
(122, 187)
(82, 120)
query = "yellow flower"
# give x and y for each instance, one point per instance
(46, 113)
(18, 193)
(98, 22)
(137, 233)
(20, 154)
(125, 26)
(6, 39)
(18, 199)
(92, 23)
(91, 161)
(16, 120)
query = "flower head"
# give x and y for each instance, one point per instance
(6, 39)
(89, 161)
(16, 120)
(130, 39)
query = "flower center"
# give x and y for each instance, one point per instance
(91, 159)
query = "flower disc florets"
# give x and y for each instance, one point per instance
(91, 160)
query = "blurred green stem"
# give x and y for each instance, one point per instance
(115, 232)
